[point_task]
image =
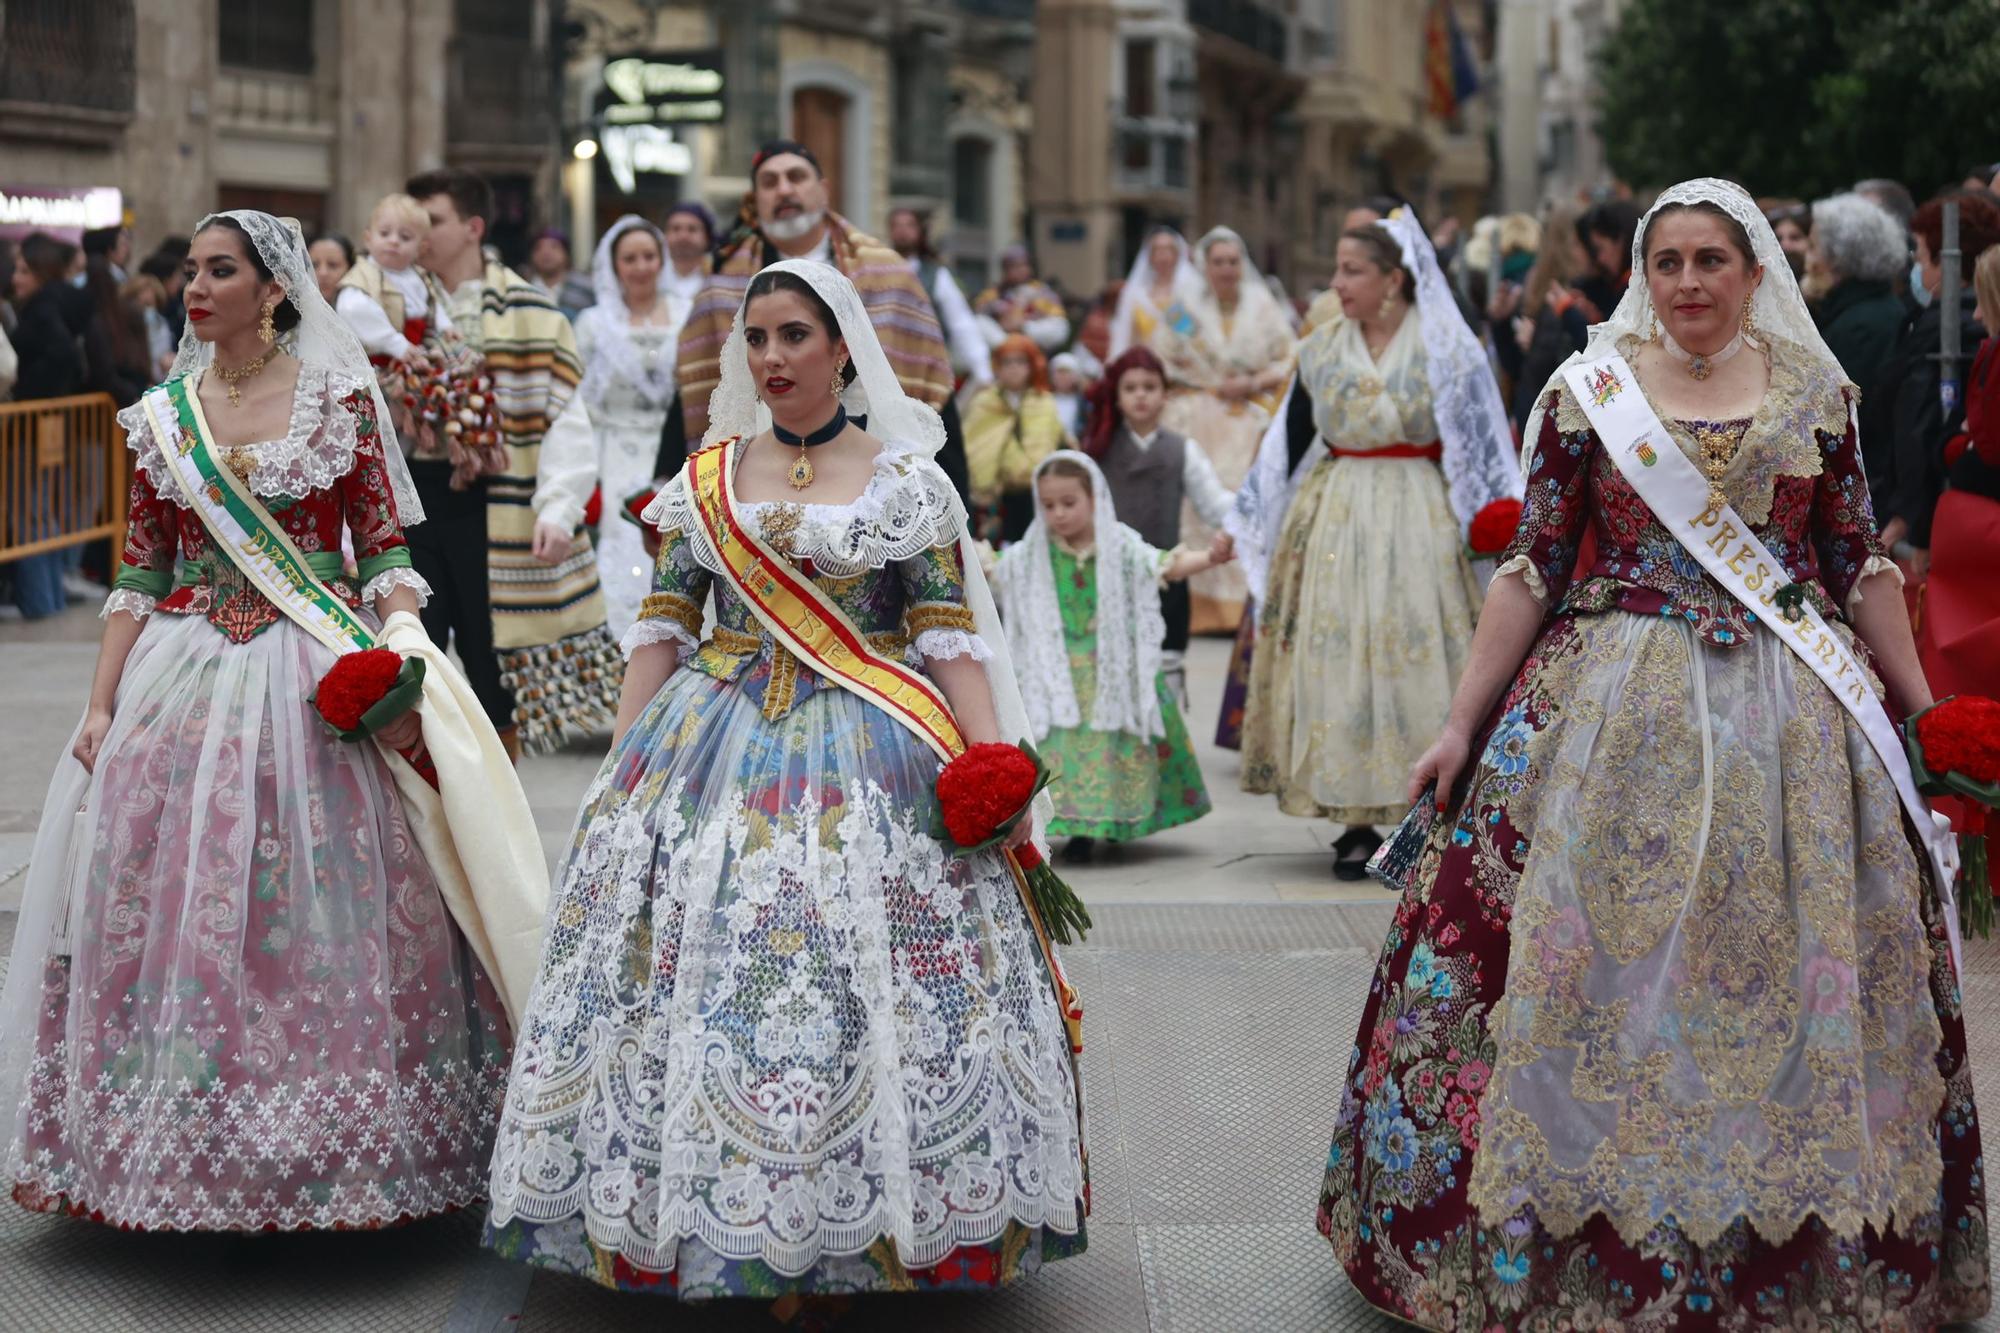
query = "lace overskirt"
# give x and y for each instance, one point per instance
(778, 1028)
(262, 1014)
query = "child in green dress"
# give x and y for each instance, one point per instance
(1080, 595)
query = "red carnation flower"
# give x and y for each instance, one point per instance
(983, 789)
(1493, 527)
(354, 684)
(1962, 736)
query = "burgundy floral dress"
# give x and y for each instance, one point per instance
(1664, 1034)
(255, 1011)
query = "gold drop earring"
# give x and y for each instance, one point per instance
(267, 328)
(839, 385)
(1749, 322)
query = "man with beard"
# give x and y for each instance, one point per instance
(790, 219)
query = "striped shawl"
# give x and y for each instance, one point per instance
(548, 620)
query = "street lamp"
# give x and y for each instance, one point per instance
(585, 150)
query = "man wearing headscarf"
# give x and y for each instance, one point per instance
(787, 217)
(1021, 303)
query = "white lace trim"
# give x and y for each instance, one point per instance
(941, 645)
(397, 578)
(657, 629)
(131, 601)
(1873, 565)
(316, 451)
(1531, 576)
(744, 1105)
(908, 507)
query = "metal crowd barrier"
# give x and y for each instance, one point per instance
(63, 477)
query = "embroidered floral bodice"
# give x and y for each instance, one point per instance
(325, 474)
(1796, 476)
(1362, 402)
(889, 560)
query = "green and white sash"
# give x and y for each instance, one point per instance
(241, 527)
(1678, 494)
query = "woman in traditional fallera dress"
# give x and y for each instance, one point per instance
(627, 343)
(213, 1019)
(1228, 351)
(1665, 1034)
(1161, 275)
(1354, 533)
(784, 1043)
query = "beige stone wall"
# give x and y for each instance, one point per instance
(867, 62)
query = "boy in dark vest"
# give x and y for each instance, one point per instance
(1151, 472)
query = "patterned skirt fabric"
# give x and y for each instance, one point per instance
(1112, 784)
(259, 1013)
(1664, 1035)
(1366, 624)
(781, 1040)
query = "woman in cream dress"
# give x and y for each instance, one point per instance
(1228, 350)
(1160, 276)
(1394, 438)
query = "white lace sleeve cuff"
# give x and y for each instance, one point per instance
(1531, 576)
(657, 629)
(377, 587)
(1875, 564)
(940, 645)
(132, 602)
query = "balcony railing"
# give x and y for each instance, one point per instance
(254, 97)
(1152, 157)
(498, 92)
(68, 53)
(1244, 21)
(1013, 11)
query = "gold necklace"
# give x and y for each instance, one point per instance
(242, 372)
(1718, 450)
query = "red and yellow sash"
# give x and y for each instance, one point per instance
(818, 633)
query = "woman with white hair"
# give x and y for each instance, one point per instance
(1852, 258)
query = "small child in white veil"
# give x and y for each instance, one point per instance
(1080, 596)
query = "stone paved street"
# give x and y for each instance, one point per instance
(1222, 985)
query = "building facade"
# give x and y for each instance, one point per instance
(1548, 145)
(310, 108)
(1271, 118)
(316, 108)
(906, 103)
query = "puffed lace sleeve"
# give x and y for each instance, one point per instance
(152, 537)
(1556, 507)
(938, 621)
(672, 612)
(1843, 522)
(368, 502)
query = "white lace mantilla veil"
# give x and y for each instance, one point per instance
(1130, 625)
(614, 356)
(1480, 462)
(1254, 302)
(1778, 309)
(1139, 285)
(321, 339)
(905, 427)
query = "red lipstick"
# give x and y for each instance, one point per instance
(777, 384)
(197, 314)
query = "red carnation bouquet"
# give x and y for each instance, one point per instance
(983, 795)
(1955, 751)
(1493, 528)
(363, 692)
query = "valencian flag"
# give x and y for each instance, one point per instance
(1447, 62)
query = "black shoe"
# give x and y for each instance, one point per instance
(1352, 850)
(1077, 851)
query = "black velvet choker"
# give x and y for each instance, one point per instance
(827, 432)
